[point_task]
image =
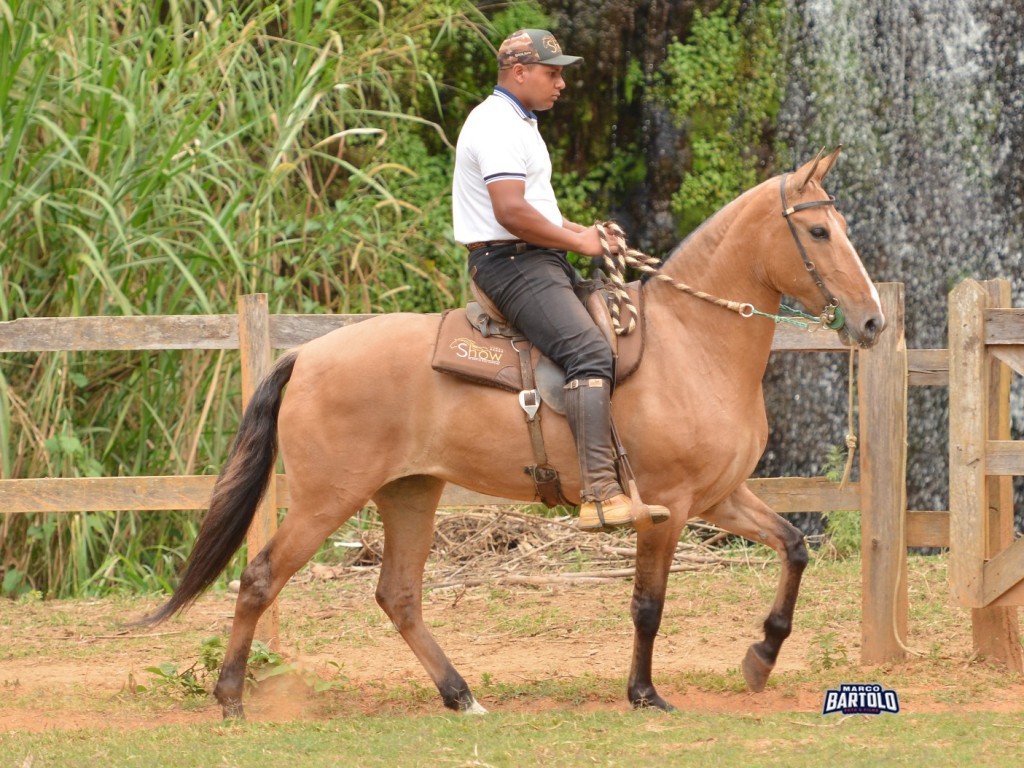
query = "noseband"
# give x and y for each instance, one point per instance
(831, 316)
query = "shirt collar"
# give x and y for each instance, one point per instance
(523, 112)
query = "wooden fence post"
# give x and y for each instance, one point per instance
(883, 452)
(968, 406)
(257, 354)
(979, 404)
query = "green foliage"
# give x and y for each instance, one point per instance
(198, 679)
(633, 81)
(585, 198)
(13, 583)
(162, 158)
(191, 681)
(724, 85)
(841, 526)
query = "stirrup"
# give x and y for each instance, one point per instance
(594, 517)
(645, 516)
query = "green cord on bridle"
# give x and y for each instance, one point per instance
(813, 323)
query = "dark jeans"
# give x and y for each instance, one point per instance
(534, 291)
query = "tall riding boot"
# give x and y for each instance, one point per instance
(603, 504)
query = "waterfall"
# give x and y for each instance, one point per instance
(927, 98)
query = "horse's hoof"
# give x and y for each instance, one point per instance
(233, 709)
(473, 708)
(756, 670)
(651, 700)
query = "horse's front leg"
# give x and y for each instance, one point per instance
(745, 514)
(655, 550)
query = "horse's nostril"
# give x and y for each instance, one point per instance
(872, 327)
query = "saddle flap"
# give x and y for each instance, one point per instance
(463, 350)
(597, 306)
(631, 346)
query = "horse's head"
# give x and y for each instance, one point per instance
(814, 260)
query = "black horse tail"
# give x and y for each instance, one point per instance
(236, 494)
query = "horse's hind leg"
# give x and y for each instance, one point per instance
(745, 514)
(407, 509)
(298, 539)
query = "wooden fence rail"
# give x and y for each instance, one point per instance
(256, 333)
(888, 528)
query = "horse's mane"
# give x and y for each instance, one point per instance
(711, 230)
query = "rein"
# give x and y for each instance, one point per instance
(831, 316)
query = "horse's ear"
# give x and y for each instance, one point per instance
(815, 169)
(832, 157)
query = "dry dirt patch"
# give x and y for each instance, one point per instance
(525, 627)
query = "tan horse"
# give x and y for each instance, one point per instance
(366, 417)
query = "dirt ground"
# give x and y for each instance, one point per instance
(74, 664)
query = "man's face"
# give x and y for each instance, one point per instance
(541, 87)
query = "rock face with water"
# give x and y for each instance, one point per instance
(928, 100)
(927, 97)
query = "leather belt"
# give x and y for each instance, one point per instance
(520, 245)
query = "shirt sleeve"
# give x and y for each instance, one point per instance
(502, 161)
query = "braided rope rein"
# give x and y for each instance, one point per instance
(616, 263)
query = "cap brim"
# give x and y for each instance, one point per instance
(561, 60)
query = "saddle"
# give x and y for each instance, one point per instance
(477, 344)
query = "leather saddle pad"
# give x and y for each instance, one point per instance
(473, 346)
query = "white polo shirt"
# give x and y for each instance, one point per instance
(499, 140)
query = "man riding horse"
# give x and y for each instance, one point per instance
(367, 418)
(505, 212)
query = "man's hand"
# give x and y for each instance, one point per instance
(590, 242)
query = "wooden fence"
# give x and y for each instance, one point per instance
(885, 371)
(986, 565)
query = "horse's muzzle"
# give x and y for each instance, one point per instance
(864, 333)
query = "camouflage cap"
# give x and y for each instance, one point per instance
(532, 46)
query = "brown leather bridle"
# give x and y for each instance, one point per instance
(831, 316)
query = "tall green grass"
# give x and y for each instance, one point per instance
(165, 157)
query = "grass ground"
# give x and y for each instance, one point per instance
(549, 662)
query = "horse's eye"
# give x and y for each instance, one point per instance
(819, 233)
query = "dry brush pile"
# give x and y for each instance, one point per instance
(497, 545)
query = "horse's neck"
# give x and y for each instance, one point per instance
(720, 260)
